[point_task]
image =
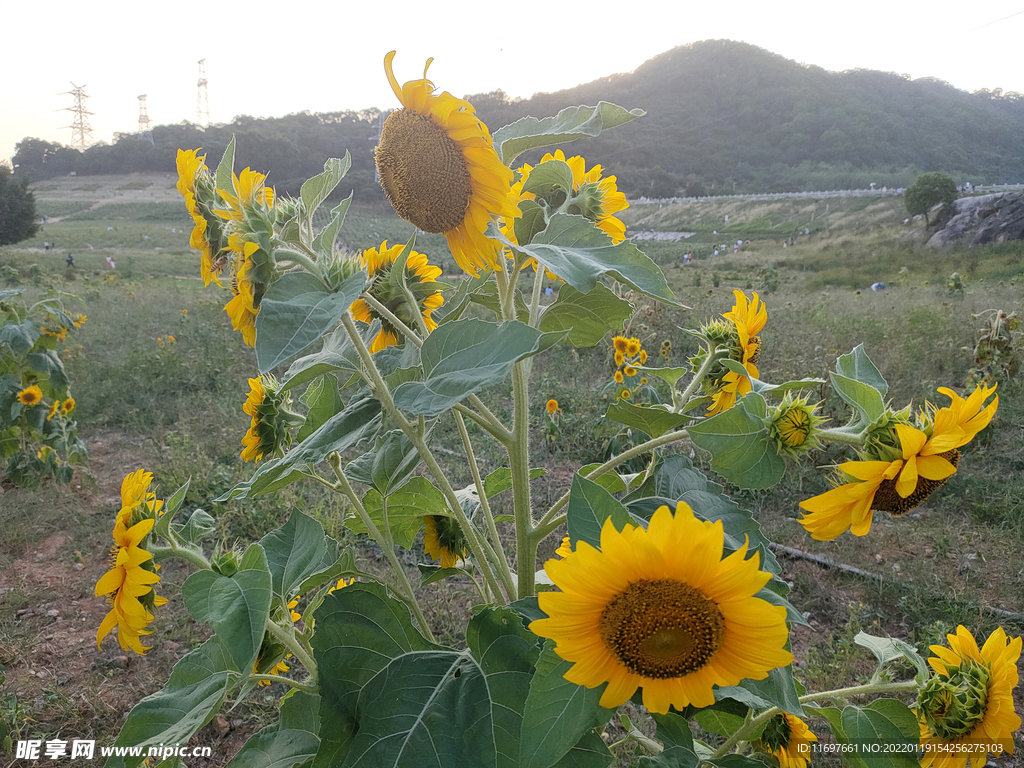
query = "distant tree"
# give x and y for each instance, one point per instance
(17, 209)
(929, 190)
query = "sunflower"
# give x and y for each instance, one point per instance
(137, 498)
(788, 738)
(968, 414)
(270, 417)
(278, 669)
(192, 172)
(620, 358)
(633, 347)
(662, 610)
(619, 343)
(597, 198)
(242, 309)
(967, 707)
(625, 394)
(128, 586)
(421, 279)
(552, 406)
(79, 320)
(67, 406)
(618, 377)
(748, 317)
(54, 407)
(444, 541)
(629, 370)
(794, 426)
(439, 170)
(895, 486)
(30, 395)
(248, 191)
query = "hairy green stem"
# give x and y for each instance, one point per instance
(187, 554)
(285, 681)
(383, 540)
(698, 377)
(297, 257)
(499, 558)
(381, 391)
(288, 639)
(839, 436)
(392, 318)
(552, 519)
(538, 285)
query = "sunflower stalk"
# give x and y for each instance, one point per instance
(290, 640)
(187, 553)
(842, 437)
(306, 260)
(392, 318)
(713, 356)
(383, 540)
(285, 681)
(380, 388)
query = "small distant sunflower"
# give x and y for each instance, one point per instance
(619, 344)
(67, 406)
(552, 406)
(620, 358)
(79, 320)
(968, 705)
(662, 609)
(629, 370)
(633, 347)
(444, 540)
(421, 279)
(618, 377)
(788, 738)
(54, 408)
(30, 395)
(625, 394)
(438, 167)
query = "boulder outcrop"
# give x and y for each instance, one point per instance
(996, 218)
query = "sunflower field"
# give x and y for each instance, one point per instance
(664, 598)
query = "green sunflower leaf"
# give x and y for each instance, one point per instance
(674, 732)
(359, 421)
(191, 698)
(236, 607)
(865, 400)
(359, 630)
(501, 480)
(776, 690)
(868, 727)
(487, 296)
(858, 366)
(586, 316)
(530, 223)
(464, 356)
(739, 444)
(558, 713)
(549, 176)
(669, 375)
(315, 190)
(653, 420)
(20, 337)
(338, 354)
(323, 401)
(611, 481)
(323, 243)
(568, 125)
(588, 752)
(406, 509)
(573, 248)
(276, 748)
(225, 168)
(390, 462)
(887, 649)
(588, 508)
(296, 551)
(296, 311)
(506, 652)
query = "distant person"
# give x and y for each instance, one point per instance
(70, 261)
(110, 262)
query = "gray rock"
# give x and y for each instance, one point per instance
(997, 218)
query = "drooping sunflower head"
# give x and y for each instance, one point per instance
(252, 270)
(794, 425)
(969, 701)
(439, 170)
(421, 280)
(30, 396)
(788, 738)
(196, 184)
(271, 419)
(444, 541)
(660, 608)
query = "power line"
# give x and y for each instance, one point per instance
(1018, 13)
(81, 132)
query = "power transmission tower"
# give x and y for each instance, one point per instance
(81, 132)
(144, 122)
(202, 97)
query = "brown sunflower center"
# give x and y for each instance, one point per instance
(662, 628)
(423, 172)
(888, 500)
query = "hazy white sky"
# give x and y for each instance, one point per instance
(272, 58)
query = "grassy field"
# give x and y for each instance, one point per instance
(176, 409)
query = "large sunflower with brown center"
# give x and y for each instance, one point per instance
(438, 167)
(662, 609)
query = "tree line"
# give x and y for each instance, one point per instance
(722, 117)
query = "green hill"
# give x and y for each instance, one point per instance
(721, 116)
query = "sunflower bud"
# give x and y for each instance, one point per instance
(883, 443)
(794, 426)
(225, 562)
(338, 268)
(952, 704)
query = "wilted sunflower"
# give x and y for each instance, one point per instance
(30, 395)
(662, 610)
(421, 279)
(788, 738)
(438, 167)
(444, 541)
(967, 707)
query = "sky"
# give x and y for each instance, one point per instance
(267, 59)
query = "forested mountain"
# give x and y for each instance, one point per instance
(721, 116)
